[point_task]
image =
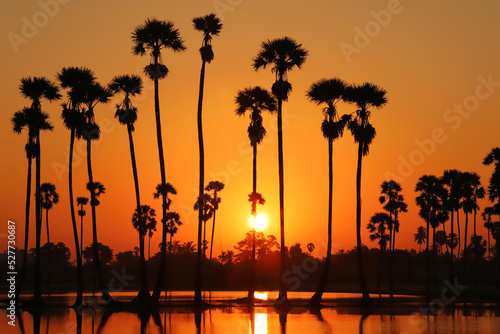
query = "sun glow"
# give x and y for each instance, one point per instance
(260, 295)
(261, 222)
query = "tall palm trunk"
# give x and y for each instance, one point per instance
(427, 264)
(283, 296)
(464, 258)
(37, 291)
(366, 301)
(198, 278)
(452, 248)
(211, 248)
(144, 278)
(49, 264)
(459, 238)
(79, 274)
(95, 250)
(391, 263)
(316, 298)
(434, 250)
(163, 256)
(251, 290)
(22, 275)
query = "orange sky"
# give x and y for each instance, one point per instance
(430, 57)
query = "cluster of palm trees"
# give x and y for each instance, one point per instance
(442, 199)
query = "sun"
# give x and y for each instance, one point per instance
(261, 222)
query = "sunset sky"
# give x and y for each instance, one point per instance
(438, 61)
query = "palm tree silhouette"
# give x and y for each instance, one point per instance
(394, 204)
(493, 158)
(93, 95)
(216, 187)
(282, 55)
(141, 218)
(378, 225)
(75, 80)
(151, 38)
(365, 97)
(211, 26)
(81, 201)
(420, 237)
(48, 197)
(26, 119)
(431, 200)
(329, 92)
(452, 181)
(130, 85)
(487, 213)
(36, 88)
(151, 227)
(472, 190)
(173, 223)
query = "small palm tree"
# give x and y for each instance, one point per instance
(36, 89)
(151, 38)
(75, 80)
(493, 158)
(254, 198)
(329, 92)
(173, 223)
(81, 201)
(163, 190)
(379, 223)
(48, 197)
(141, 219)
(420, 237)
(452, 181)
(211, 26)
(365, 97)
(487, 213)
(282, 55)
(215, 187)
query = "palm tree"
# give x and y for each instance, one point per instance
(142, 217)
(36, 88)
(211, 26)
(75, 80)
(48, 197)
(151, 38)
(431, 200)
(216, 187)
(472, 190)
(487, 213)
(163, 190)
(420, 237)
(377, 227)
(130, 85)
(282, 55)
(94, 94)
(329, 92)
(25, 119)
(151, 228)
(365, 97)
(173, 223)
(494, 187)
(81, 201)
(452, 180)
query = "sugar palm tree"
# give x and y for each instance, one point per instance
(48, 197)
(493, 158)
(81, 201)
(431, 200)
(151, 38)
(487, 213)
(282, 55)
(75, 80)
(129, 86)
(151, 228)
(328, 92)
(420, 237)
(365, 97)
(379, 223)
(254, 198)
(210, 26)
(26, 119)
(36, 89)
(140, 219)
(173, 223)
(163, 190)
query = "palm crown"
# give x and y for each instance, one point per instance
(129, 85)
(36, 88)
(48, 195)
(211, 26)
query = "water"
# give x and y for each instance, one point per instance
(237, 319)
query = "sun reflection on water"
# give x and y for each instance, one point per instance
(260, 295)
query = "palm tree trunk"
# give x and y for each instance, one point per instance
(446, 244)
(316, 298)
(251, 289)
(95, 250)
(452, 248)
(211, 248)
(434, 250)
(366, 301)
(79, 278)
(459, 238)
(37, 290)
(464, 258)
(427, 264)
(163, 256)
(198, 278)
(144, 278)
(81, 234)
(489, 246)
(391, 264)
(475, 213)
(282, 297)
(22, 275)
(49, 264)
